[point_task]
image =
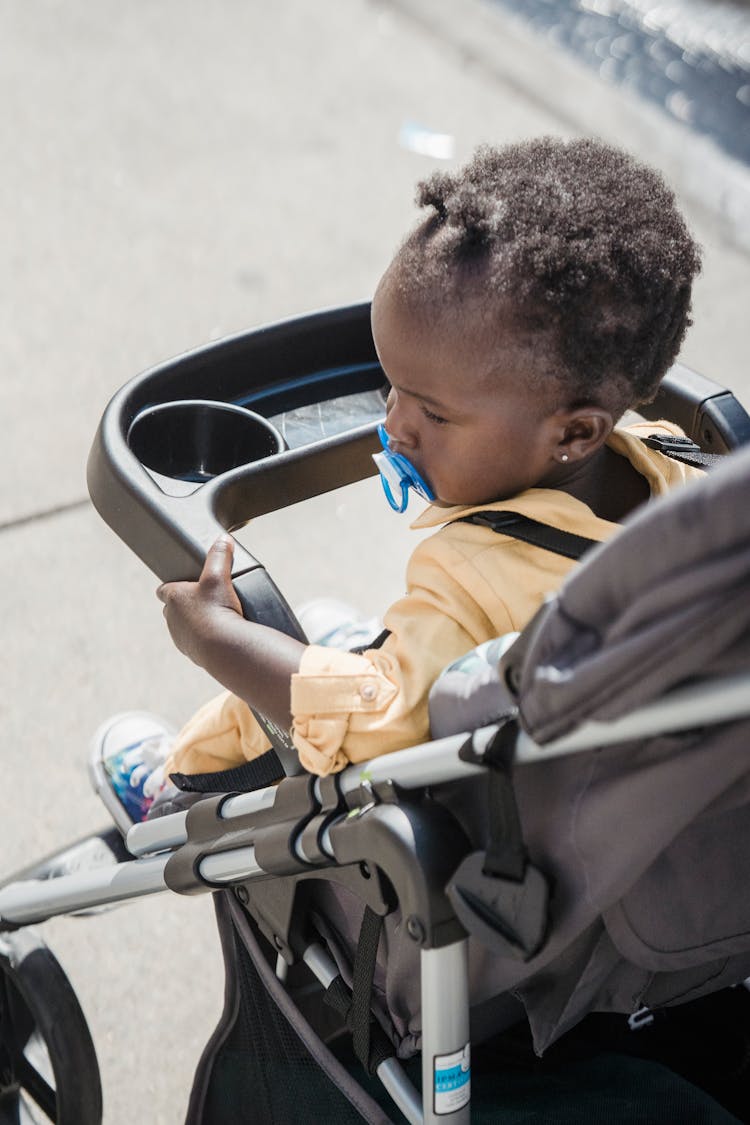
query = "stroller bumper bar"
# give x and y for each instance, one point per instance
(245, 823)
(434, 762)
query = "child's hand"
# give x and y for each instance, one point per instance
(195, 611)
(253, 661)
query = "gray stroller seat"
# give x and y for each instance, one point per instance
(645, 836)
(641, 835)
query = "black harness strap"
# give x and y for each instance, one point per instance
(257, 774)
(682, 449)
(499, 895)
(565, 543)
(506, 852)
(371, 1044)
(532, 531)
(376, 642)
(368, 1048)
(505, 855)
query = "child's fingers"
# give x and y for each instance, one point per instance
(217, 570)
(216, 576)
(166, 589)
(217, 567)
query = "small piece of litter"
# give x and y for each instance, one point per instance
(426, 142)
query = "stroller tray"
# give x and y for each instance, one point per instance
(236, 429)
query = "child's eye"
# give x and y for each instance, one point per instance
(433, 417)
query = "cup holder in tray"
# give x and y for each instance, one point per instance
(194, 440)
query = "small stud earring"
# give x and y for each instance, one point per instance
(564, 457)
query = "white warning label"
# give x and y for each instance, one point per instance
(452, 1080)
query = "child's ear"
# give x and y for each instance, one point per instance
(585, 430)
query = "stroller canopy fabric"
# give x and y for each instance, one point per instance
(647, 842)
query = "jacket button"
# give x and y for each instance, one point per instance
(368, 692)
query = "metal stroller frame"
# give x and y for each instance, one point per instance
(295, 830)
(361, 827)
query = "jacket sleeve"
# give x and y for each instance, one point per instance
(349, 707)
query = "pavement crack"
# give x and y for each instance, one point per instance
(44, 514)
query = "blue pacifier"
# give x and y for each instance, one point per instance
(398, 475)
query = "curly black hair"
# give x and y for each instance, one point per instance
(582, 242)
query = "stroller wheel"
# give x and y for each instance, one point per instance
(48, 1065)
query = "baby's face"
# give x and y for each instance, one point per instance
(460, 410)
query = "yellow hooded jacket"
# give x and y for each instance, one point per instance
(464, 585)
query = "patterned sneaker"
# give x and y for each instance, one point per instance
(335, 624)
(126, 764)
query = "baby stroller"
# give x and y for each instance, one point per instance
(569, 858)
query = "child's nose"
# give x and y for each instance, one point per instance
(398, 423)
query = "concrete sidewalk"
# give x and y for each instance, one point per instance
(174, 173)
